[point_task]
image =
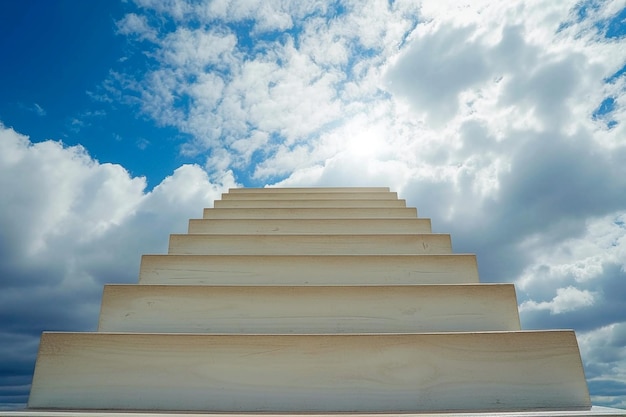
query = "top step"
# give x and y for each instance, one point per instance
(311, 190)
(311, 196)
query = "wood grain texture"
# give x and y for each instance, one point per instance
(311, 196)
(330, 203)
(309, 226)
(308, 270)
(308, 310)
(309, 213)
(501, 371)
(310, 244)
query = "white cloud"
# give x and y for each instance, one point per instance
(191, 51)
(39, 110)
(133, 24)
(60, 203)
(60, 191)
(579, 259)
(177, 9)
(34, 108)
(566, 299)
(68, 225)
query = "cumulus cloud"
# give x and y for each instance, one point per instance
(69, 225)
(566, 299)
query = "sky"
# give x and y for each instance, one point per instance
(502, 121)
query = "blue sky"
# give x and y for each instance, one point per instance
(60, 53)
(501, 121)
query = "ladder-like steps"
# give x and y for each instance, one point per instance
(355, 373)
(310, 300)
(309, 310)
(308, 269)
(309, 226)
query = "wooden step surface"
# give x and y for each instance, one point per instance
(311, 196)
(309, 204)
(500, 371)
(309, 244)
(308, 310)
(308, 270)
(309, 226)
(309, 213)
(289, 190)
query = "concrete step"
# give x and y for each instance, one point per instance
(308, 310)
(499, 371)
(289, 190)
(309, 203)
(310, 244)
(310, 213)
(311, 196)
(309, 226)
(308, 270)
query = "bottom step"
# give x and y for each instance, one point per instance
(491, 371)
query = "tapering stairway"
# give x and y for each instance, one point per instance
(310, 300)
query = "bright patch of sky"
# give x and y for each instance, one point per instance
(502, 121)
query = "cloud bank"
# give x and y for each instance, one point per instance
(70, 225)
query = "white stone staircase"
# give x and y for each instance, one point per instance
(310, 301)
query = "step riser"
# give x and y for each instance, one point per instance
(309, 204)
(289, 190)
(308, 310)
(311, 196)
(340, 373)
(309, 226)
(308, 270)
(310, 213)
(309, 244)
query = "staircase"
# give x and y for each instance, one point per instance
(310, 300)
